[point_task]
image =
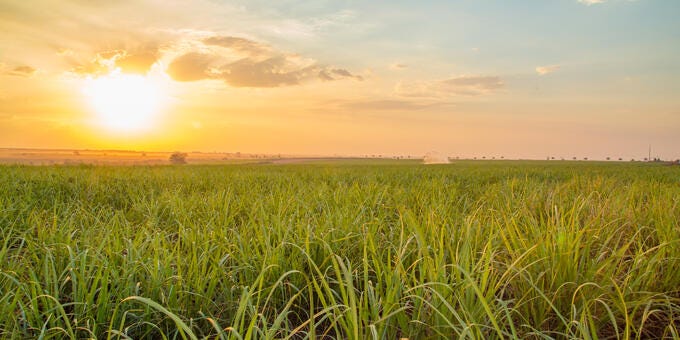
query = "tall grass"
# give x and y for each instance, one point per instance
(355, 251)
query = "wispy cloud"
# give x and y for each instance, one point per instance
(591, 2)
(543, 70)
(20, 71)
(315, 26)
(398, 66)
(462, 85)
(389, 105)
(246, 46)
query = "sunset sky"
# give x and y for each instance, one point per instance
(520, 79)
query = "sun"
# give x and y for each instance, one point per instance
(124, 102)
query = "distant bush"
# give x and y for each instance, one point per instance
(178, 158)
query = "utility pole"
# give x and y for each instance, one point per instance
(649, 155)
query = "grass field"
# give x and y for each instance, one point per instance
(355, 250)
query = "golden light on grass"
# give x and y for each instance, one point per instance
(124, 102)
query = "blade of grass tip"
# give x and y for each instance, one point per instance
(234, 332)
(215, 325)
(374, 332)
(182, 327)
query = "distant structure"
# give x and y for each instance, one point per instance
(435, 158)
(178, 158)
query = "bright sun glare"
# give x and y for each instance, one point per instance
(124, 102)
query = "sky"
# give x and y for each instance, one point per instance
(517, 79)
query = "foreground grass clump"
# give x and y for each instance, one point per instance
(356, 251)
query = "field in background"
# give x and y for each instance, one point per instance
(129, 157)
(350, 250)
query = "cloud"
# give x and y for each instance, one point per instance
(254, 64)
(591, 2)
(398, 66)
(342, 73)
(463, 85)
(314, 26)
(271, 72)
(92, 68)
(543, 70)
(136, 60)
(191, 67)
(388, 105)
(243, 45)
(21, 71)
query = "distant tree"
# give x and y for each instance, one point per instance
(585, 158)
(608, 158)
(620, 158)
(574, 158)
(178, 158)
